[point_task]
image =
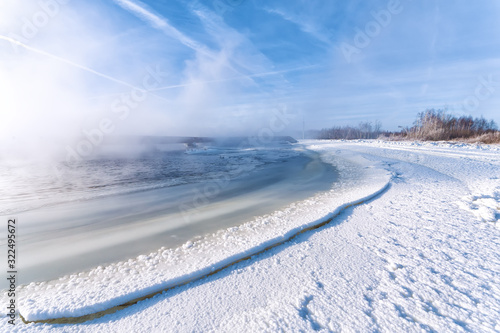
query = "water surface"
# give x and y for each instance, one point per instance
(189, 194)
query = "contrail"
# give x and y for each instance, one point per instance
(87, 69)
(158, 22)
(219, 80)
(237, 77)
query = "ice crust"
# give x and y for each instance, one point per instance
(105, 287)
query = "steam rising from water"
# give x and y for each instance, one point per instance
(69, 71)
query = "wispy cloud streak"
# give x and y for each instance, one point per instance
(142, 11)
(70, 63)
(304, 25)
(238, 77)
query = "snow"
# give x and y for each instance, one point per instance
(419, 253)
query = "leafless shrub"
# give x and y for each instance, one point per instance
(437, 125)
(365, 130)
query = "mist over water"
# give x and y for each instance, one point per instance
(126, 165)
(124, 207)
(71, 72)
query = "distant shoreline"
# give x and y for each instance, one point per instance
(454, 141)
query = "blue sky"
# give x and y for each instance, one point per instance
(227, 64)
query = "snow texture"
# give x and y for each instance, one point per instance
(421, 256)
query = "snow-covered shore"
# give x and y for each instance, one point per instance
(421, 256)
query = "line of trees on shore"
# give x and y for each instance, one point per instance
(430, 125)
(365, 130)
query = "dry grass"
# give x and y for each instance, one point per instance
(437, 125)
(488, 138)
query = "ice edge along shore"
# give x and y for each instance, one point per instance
(102, 289)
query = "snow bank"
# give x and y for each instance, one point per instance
(416, 258)
(103, 288)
